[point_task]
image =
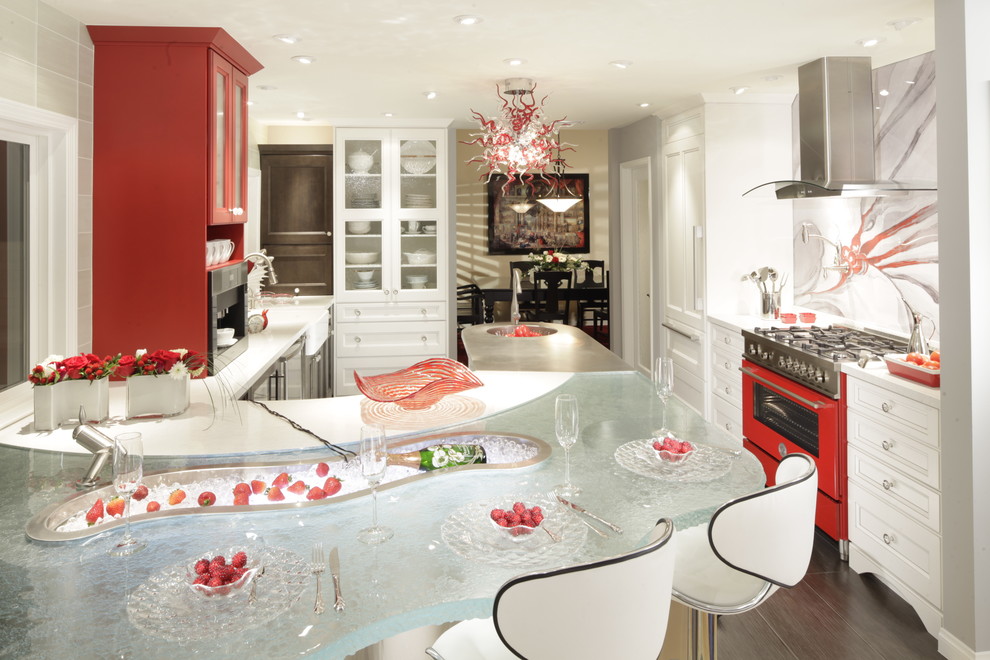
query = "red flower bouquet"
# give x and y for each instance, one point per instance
(55, 368)
(177, 363)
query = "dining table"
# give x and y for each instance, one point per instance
(444, 563)
(492, 291)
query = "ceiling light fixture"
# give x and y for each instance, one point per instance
(739, 90)
(560, 199)
(430, 95)
(387, 114)
(300, 115)
(468, 19)
(621, 64)
(287, 38)
(644, 105)
(518, 142)
(304, 59)
(868, 43)
(884, 92)
(514, 61)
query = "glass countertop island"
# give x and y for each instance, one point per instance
(71, 599)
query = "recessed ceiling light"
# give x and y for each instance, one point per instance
(644, 105)
(868, 43)
(468, 19)
(267, 88)
(430, 95)
(884, 92)
(515, 61)
(287, 38)
(250, 102)
(388, 114)
(621, 64)
(304, 59)
(300, 115)
(738, 90)
(908, 82)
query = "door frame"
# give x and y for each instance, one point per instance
(628, 268)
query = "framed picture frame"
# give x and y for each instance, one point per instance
(517, 231)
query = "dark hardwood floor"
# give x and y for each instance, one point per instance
(834, 614)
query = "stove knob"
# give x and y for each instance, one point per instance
(821, 376)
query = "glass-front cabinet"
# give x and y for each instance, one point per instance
(390, 214)
(228, 142)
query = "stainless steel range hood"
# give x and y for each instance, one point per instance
(835, 124)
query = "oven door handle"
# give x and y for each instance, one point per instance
(814, 404)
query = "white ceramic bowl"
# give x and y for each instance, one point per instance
(360, 161)
(364, 275)
(225, 335)
(361, 257)
(421, 258)
(358, 226)
(418, 164)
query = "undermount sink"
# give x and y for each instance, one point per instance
(511, 330)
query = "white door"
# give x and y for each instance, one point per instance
(638, 308)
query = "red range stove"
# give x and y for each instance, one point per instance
(793, 392)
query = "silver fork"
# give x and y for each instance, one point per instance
(253, 597)
(318, 566)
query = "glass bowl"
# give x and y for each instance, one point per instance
(516, 532)
(419, 386)
(252, 567)
(671, 455)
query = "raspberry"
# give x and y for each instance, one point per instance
(201, 579)
(537, 518)
(535, 510)
(216, 562)
(215, 582)
(498, 514)
(239, 560)
(518, 507)
(514, 519)
(238, 574)
(502, 522)
(202, 567)
(529, 522)
(657, 445)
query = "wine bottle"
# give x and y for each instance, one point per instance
(440, 456)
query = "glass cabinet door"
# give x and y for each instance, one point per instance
(417, 208)
(220, 111)
(365, 226)
(239, 138)
(362, 174)
(363, 255)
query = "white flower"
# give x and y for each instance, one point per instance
(46, 365)
(139, 352)
(179, 371)
(181, 351)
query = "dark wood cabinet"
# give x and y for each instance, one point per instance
(297, 216)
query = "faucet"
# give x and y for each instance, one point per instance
(516, 290)
(806, 236)
(98, 444)
(266, 261)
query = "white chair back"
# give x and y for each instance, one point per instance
(613, 608)
(770, 534)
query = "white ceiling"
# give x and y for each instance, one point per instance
(377, 56)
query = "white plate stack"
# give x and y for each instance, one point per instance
(365, 201)
(417, 201)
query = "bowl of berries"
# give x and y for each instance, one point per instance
(517, 521)
(222, 573)
(671, 450)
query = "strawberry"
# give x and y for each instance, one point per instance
(206, 498)
(332, 486)
(239, 560)
(258, 486)
(176, 496)
(242, 488)
(322, 470)
(140, 493)
(275, 494)
(282, 480)
(298, 488)
(153, 506)
(115, 507)
(241, 499)
(315, 493)
(95, 513)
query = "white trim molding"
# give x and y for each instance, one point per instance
(953, 648)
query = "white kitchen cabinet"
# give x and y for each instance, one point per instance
(391, 221)
(894, 488)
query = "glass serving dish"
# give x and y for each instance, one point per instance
(252, 567)
(706, 464)
(419, 386)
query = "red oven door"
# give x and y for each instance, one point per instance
(780, 417)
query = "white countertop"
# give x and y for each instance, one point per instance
(568, 349)
(877, 374)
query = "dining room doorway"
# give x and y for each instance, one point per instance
(635, 218)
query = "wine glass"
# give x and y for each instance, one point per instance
(663, 385)
(374, 459)
(128, 455)
(566, 427)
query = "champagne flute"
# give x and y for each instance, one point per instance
(374, 457)
(663, 385)
(128, 455)
(566, 427)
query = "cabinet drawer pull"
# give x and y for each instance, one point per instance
(395, 292)
(423, 338)
(728, 426)
(728, 390)
(357, 340)
(424, 312)
(728, 366)
(357, 312)
(886, 444)
(888, 538)
(887, 484)
(885, 406)
(726, 340)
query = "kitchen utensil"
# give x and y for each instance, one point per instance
(553, 536)
(764, 274)
(338, 603)
(580, 509)
(317, 566)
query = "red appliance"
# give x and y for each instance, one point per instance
(793, 402)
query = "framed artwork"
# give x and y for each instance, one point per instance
(514, 229)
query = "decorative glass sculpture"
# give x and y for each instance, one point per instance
(419, 386)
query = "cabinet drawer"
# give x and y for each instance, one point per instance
(889, 485)
(911, 552)
(391, 339)
(727, 416)
(919, 418)
(730, 340)
(422, 311)
(344, 368)
(728, 387)
(726, 361)
(895, 447)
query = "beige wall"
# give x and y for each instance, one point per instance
(473, 261)
(295, 134)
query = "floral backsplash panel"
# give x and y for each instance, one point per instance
(876, 251)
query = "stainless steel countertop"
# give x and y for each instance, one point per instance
(569, 349)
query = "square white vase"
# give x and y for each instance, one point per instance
(59, 403)
(157, 396)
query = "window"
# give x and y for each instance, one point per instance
(14, 265)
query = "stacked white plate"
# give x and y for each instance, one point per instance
(365, 202)
(417, 201)
(367, 285)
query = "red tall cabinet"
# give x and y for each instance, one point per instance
(169, 174)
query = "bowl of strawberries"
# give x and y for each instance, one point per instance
(518, 521)
(671, 450)
(223, 572)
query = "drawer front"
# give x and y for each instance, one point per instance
(731, 340)
(728, 387)
(385, 339)
(343, 368)
(358, 312)
(726, 362)
(728, 417)
(908, 550)
(920, 419)
(896, 489)
(893, 446)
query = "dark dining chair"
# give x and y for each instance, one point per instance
(593, 275)
(595, 311)
(470, 305)
(549, 303)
